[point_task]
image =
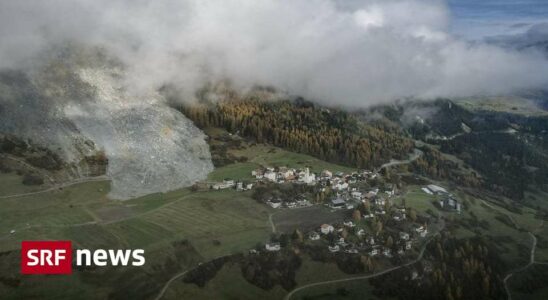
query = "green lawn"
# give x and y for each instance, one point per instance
(419, 200)
(11, 184)
(227, 284)
(276, 157)
(83, 214)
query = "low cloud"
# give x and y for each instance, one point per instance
(354, 55)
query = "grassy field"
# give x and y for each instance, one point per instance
(83, 214)
(308, 218)
(258, 155)
(11, 184)
(525, 285)
(227, 284)
(269, 156)
(418, 199)
(352, 290)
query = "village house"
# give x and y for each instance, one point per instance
(307, 177)
(313, 236)
(360, 232)
(370, 195)
(326, 228)
(337, 203)
(334, 248)
(387, 252)
(370, 240)
(285, 173)
(408, 245)
(374, 252)
(450, 203)
(422, 231)
(404, 235)
(390, 191)
(349, 224)
(257, 173)
(274, 203)
(241, 186)
(398, 216)
(341, 242)
(368, 216)
(272, 247)
(380, 212)
(291, 204)
(356, 195)
(326, 174)
(380, 201)
(226, 184)
(270, 175)
(303, 202)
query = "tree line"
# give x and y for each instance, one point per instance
(329, 134)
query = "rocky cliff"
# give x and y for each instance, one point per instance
(80, 106)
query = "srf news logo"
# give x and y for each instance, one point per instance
(56, 257)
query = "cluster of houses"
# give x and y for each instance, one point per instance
(300, 201)
(352, 197)
(346, 196)
(368, 243)
(338, 181)
(284, 174)
(230, 184)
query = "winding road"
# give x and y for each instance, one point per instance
(530, 263)
(166, 286)
(412, 157)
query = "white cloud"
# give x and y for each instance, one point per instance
(355, 55)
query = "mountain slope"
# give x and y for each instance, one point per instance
(78, 104)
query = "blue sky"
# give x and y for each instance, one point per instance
(475, 19)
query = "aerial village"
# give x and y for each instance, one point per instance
(362, 232)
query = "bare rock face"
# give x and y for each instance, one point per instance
(80, 107)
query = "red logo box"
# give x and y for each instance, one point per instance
(46, 257)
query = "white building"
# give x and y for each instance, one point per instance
(326, 228)
(270, 175)
(257, 173)
(340, 186)
(314, 236)
(404, 236)
(307, 177)
(326, 174)
(272, 247)
(274, 203)
(349, 224)
(335, 248)
(408, 245)
(436, 189)
(337, 203)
